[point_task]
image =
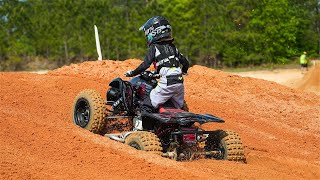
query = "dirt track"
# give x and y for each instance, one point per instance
(307, 81)
(280, 128)
(311, 80)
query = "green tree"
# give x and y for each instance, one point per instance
(214, 33)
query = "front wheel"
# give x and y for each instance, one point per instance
(88, 111)
(227, 143)
(145, 141)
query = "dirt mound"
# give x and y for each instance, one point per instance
(280, 128)
(311, 81)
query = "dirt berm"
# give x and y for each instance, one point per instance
(280, 128)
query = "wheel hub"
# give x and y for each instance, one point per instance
(82, 113)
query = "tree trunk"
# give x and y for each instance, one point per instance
(66, 51)
(108, 49)
(318, 24)
(48, 53)
(117, 50)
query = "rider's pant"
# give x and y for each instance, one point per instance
(160, 95)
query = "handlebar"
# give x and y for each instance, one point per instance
(157, 76)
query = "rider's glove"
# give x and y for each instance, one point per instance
(129, 73)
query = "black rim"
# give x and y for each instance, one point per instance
(135, 145)
(82, 113)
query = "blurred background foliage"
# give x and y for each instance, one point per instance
(215, 33)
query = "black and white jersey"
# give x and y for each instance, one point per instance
(163, 55)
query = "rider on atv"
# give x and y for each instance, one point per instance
(167, 60)
(170, 132)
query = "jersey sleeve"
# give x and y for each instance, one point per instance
(146, 63)
(184, 61)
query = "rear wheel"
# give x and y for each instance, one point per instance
(227, 143)
(145, 141)
(88, 111)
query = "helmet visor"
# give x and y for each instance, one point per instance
(141, 28)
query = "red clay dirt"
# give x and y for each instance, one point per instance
(279, 126)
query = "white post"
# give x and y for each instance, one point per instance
(97, 43)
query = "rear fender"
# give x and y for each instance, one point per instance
(181, 118)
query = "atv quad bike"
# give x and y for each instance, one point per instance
(169, 132)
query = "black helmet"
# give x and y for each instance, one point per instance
(157, 29)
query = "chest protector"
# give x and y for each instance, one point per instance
(166, 56)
